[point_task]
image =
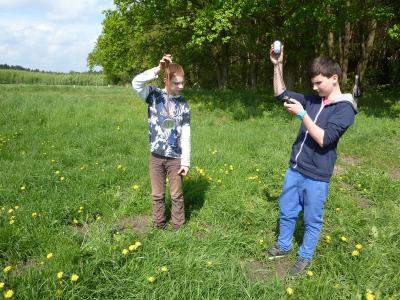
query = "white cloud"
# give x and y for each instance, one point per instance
(50, 35)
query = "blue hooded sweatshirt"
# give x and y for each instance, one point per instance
(307, 156)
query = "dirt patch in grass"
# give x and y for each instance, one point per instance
(362, 202)
(260, 270)
(203, 232)
(81, 230)
(345, 186)
(345, 160)
(140, 224)
(339, 170)
(349, 160)
(394, 174)
(22, 268)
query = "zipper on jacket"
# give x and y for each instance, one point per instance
(305, 137)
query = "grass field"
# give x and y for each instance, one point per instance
(51, 78)
(75, 197)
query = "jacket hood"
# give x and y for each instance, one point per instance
(346, 98)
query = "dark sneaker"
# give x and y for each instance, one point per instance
(275, 252)
(160, 226)
(300, 265)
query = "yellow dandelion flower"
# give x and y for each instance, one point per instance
(60, 275)
(7, 269)
(257, 170)
(62, 178)
(53, 161)
(231, 167)
(261, 242)
(328, 239)
(135, 187)
(23, 188)
(343, 238)
(359, 246)
(132, 248)
(369, 295)
(164, 269)
(119, 167)
(125, 252)
(2, 285)
(98, 217)
(57, 172)
(289, 291)
(355, 253)
(10, 211)
(310, 273)
(209, 264)
(34, 214)
(12, 221)
(337, 209)
(16, 207)
(74, 277)
(8, 294)
(75, 221)
(151, 279)
(49, 255)
(138, 244)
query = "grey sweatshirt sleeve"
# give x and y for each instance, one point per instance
(139, 83)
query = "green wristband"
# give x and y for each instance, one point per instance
(301, 115)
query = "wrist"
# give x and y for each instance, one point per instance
(301, 115)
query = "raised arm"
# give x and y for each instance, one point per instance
(139, 82)
(277, 61)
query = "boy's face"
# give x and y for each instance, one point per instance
(176, 85)
(323, 85)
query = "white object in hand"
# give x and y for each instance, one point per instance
(277, 47)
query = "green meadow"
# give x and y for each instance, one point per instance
(75, 198)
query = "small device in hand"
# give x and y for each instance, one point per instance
(277, 47)
(288, 100)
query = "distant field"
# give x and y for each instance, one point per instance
(75, 192)
(27, 77)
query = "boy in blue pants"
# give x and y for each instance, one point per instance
(324, 119)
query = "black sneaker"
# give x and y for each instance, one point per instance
(300, 265)
(275, 252)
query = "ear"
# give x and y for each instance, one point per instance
(335, 78)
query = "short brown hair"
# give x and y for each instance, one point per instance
(174, 70)
(325, 66)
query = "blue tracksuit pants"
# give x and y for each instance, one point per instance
(301, 193)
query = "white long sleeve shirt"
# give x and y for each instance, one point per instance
(169, 120)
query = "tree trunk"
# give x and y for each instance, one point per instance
(331, 42)
(344, 60)
(367, 47)
(222, 66)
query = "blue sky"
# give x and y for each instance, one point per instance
(50, 35)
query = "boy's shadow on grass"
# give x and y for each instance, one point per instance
(194, 189)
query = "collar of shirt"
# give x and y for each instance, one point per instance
(326, 101)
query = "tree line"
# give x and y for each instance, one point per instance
(225, 43)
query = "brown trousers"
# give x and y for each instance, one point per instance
(160, 167)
